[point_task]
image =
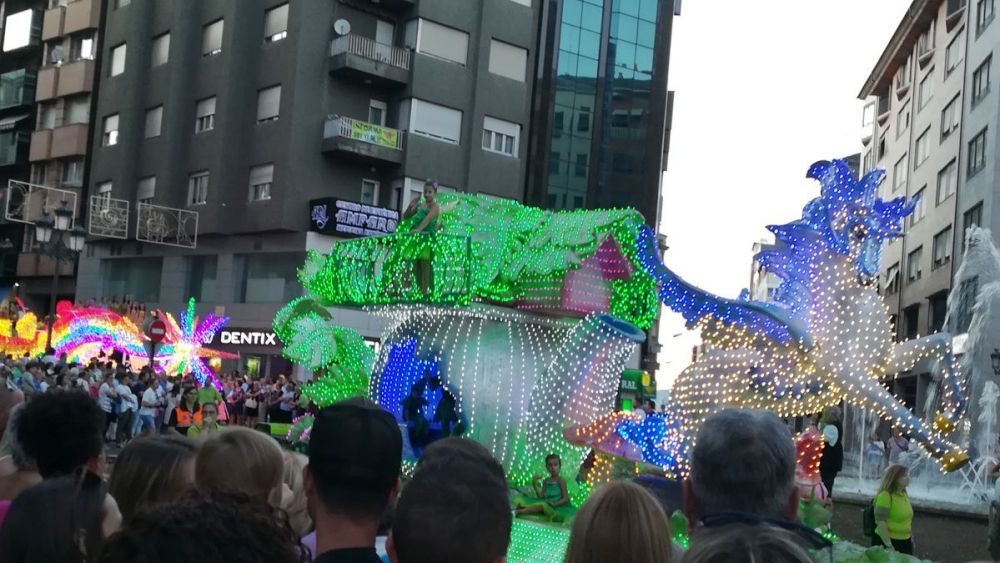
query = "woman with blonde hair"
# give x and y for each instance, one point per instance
(620, 522)
(242, 461)
(152, 470)
(893, 511)
(297, 508)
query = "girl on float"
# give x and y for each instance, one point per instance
(426, 212)
(551, 498)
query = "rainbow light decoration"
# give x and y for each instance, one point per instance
(23, 337)
(85, 332)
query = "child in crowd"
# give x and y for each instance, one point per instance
(551, 498)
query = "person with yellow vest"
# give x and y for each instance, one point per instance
(209, 422)
(186, 414)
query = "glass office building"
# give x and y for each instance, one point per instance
(600, 104)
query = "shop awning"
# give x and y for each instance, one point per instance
(10, 122)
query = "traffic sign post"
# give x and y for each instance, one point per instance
(155, 330)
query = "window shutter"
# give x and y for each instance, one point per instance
(161, 49)
(212, 37)
(154, 118)
(146, 188)
(111, 123)
(508, 60)
(442, 41)
(436, 121)
(206, 107)
(118, 60)
(268, 101)
(276, 20)
(262, 174)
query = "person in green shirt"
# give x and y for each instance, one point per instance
(209, 394)
(893, 511)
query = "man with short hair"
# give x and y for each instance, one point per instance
(455, 509)
(355, 455)
(743, 462)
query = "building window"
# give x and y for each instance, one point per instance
(81, 47)
(920, 210)
(967, 293)
(276, 23)
(927, 39)
(984, 15)
(261, 179)
(145, 189)
(926, 89)
(72, 172)
(431, 120)
(947, 181)
(508, 60)
(198, 188)
(938, 310)
(369, 192)
(911, 322)
(903, 74)
(161, 50)
(941, 251)
(19, 30)
(953, 54)
(583, 120)
(882, 147)
(553, 164)
(202, 271)
(868, 162)
(266, 278)
(580, 167)
(103, 190)
(436, 40)
(977, 153)
(921, 149)
(913, 264)
(47, 115)
(899, 174)
(501, 136)
(981, 81)
(77, 110)
(971, 218)
(892, 279)
(950, 117)
(205, 115)
(268, 101)
(117, 59)
(15, 88)
(138, 278)
(110, 136)
(903, 119)
(211, 39)
(154, 118)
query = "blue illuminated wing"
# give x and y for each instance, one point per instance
(772, 322)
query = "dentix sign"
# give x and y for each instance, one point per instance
(247, 337)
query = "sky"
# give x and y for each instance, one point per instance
(762, 90)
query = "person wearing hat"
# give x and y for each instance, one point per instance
(355, 457)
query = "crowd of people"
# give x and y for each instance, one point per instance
(234, 494)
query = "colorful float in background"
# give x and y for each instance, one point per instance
(21, 332)
(83, 333)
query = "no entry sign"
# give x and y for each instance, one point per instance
(156, 331)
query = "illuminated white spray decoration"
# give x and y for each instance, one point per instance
(827, 338)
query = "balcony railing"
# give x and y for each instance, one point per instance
(357, 130)
(370, 49)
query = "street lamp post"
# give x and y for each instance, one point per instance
(61, 243)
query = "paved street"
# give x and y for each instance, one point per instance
(938, 538)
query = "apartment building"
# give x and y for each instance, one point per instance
(931, 122)
(250, 113)
(60, 142)
(20, 55)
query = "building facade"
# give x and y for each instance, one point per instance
(931, 122)
(20, 56)
(246, 111)
(61, 140)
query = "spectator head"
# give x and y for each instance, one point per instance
(454, 510)
(241, 461)
(743, 461)
(620, 522)
(9, 398)
(61, 519)
(152, 470)
(743, 543)
(297, 508)
(213, 527)
(355, 454)
(22, 461)
(63, 431)
(832, 414)
(895, 479)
